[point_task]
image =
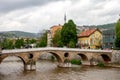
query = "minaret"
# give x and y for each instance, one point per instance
(65, 18)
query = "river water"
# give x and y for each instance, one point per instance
(12, 69)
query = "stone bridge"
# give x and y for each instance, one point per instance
(30, 56)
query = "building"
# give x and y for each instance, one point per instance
(51, 33)
(54, 28)
(90, 39)
(49, 38)
(108, 39)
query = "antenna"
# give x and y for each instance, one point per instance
(65, 18)
(119, 16)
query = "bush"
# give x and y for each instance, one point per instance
(52, 58)
(71, 44)
(101, 64)
(75, 61)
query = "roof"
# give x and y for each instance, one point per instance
(88, 32)
(55, 26)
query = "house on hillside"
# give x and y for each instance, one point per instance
(90, 39)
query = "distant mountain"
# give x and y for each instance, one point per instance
(15, 34)
(102, 27)
(110, 25)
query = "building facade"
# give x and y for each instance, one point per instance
(54, 28)
(108, 39)
(51, 33)
(90, 39)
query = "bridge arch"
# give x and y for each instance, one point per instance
(1, 60)
(57, 56)
(105, 57)
(83, 56)
(80, 56)
(30, 56)
(66, 54)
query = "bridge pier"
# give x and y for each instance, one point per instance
(93, 61)
(30, 65)
(64, 65)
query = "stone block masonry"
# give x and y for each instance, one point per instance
(116, 56)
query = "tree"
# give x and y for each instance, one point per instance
(19, 43)
(27, 41)
(71, 44)
(7, 44)
(43, 40)
(32, 41)
(57, 39)
(69, 33)
(117, 31)
(10, 44)
(117, 28)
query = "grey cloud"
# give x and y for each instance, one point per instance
(9, 5)
(46, 13)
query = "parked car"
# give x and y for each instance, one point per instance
(27, 46)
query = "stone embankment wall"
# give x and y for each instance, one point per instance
(116, 56)
(0, 50)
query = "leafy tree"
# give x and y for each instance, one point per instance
(69, 33)
(43, 40)
(27, 41)
(60, 43)
(117, 28)
(71, 44)
(57, 39)
(117, 40)
(7, 44)
(32, 41)
(64, 33)
(19, 43)
(10, 44)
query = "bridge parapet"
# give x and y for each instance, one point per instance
(55, 49)
(30, 56)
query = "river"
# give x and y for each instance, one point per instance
(12, 69)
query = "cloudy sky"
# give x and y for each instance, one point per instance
(36, 15)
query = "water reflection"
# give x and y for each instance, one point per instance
(47, 70)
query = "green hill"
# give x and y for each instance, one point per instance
(22, 34)
(107, 26)
(104, 26)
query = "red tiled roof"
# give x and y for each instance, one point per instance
(87, 32)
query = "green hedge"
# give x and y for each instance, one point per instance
(101, 64)
(75, 61)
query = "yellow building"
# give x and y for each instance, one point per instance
(90, 39)
(51, 33)
(54, 28)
